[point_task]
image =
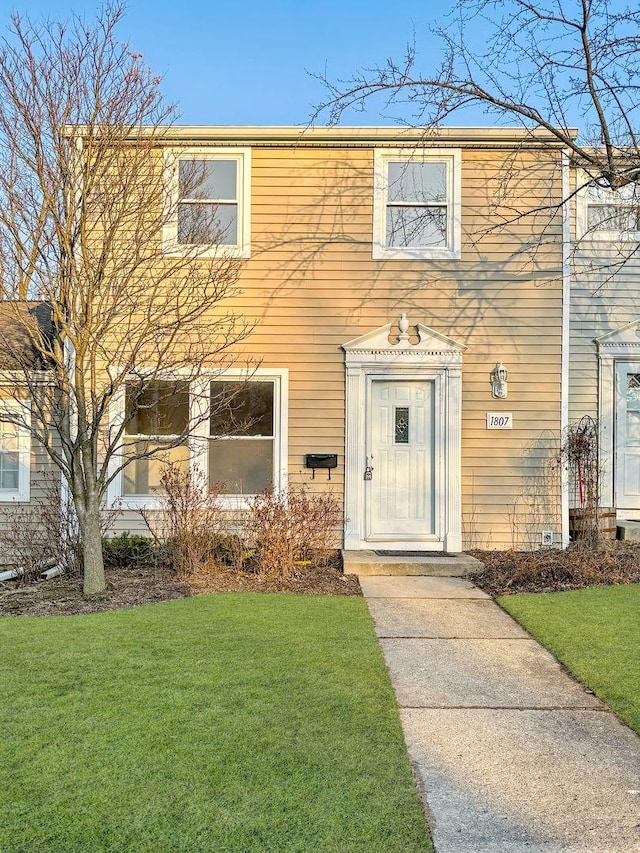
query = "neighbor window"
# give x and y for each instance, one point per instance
(209, 198)
(157, 415)
(612, 214)
(416, 205)
(15, 452)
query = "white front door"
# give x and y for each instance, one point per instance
(400, 495)
(627, 436)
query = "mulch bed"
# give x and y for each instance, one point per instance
(553, 571)
(130, 587)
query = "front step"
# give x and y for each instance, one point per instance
(437, 565)
(629, 530)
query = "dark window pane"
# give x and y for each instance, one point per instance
(208, 223)
(402, 425)
(416, 226)
(425, 182)
(161, 408)
(245, 466)
(241, 408)
(208, 179)
(142, 476)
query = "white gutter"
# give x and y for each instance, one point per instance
(565, 342)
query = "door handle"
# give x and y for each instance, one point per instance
(368, 470)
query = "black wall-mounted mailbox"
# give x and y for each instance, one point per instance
(321, 460)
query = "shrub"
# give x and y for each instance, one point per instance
(190, 522)
(292, 527)
(42, 534)
(130, 551)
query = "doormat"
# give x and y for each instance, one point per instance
(415, 554)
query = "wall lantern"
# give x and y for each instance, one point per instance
(499, 376)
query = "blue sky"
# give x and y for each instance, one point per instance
(247, 62)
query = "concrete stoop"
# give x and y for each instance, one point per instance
(629, 530)
(436, 565)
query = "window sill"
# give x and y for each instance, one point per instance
(203, 251)
(380, 253)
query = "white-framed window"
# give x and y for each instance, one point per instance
(208, 197)
(606, 214)
(237, 434)
(15, 454)
(416, 204)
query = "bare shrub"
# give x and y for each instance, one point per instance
(43, 534)
(580, 455)
(191, 520)
(292, 527)
(507, 572)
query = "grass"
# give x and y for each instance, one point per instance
(230, 722)
(595, 633)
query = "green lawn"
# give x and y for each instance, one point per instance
(233, 722)
(595, 633)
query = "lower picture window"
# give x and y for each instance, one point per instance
(241, 436)
(156, 414)
(236, 446)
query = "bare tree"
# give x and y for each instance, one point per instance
(553, 65)
(82, 212)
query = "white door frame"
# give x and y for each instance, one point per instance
(428, 356)
(621, 345)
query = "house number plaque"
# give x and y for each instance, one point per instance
(499, 420)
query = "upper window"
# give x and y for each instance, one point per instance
(416, 212)
(208, 195)
(611, 214)
(15, 453)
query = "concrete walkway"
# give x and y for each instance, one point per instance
(511, 754)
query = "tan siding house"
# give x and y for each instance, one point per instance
(343, 232)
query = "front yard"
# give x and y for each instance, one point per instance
(595, 633)
(229, 722)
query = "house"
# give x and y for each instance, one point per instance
(604, 346)
(417, 345)
(386, 273)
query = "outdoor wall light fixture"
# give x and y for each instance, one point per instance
(499, 376)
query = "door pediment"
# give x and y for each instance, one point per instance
(385, 344)
(625, 340)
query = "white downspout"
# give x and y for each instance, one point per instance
(565, 340)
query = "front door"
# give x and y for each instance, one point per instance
(627, 436)
(400, 494)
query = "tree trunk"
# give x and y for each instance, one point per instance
(94, 580)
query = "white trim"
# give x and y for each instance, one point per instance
(566, 339)
(433, 358)
(621, 345)
(170, 245)
(198, 448)
(452, 158)
(13, 411)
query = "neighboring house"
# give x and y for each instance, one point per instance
(605, 335)
(27, 477)
(387, 273)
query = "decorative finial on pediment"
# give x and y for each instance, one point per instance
(403, 325)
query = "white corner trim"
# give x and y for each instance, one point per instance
(453, 159)
(170, 158)
(566, 342)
